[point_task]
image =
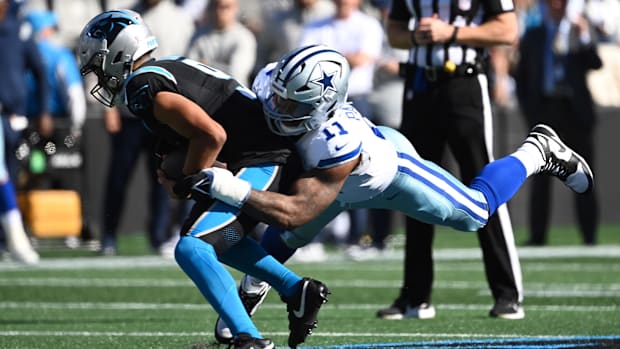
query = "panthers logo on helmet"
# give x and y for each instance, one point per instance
(109, 45)
(109, 27)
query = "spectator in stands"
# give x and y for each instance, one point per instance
(66, 100)
(195, 8)
(282, 30)
(254, 13)
(19, 53)
(224, 43)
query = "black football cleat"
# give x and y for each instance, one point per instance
(245, 341)
(303, 309)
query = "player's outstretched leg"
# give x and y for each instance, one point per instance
(560, 160)
(303, 309)
(252, 292)
(542, 152)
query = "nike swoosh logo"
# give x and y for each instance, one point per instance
(302, 306)
(338, 148)
(560, 151)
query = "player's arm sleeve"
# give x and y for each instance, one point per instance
(336, 150)
(336, 157)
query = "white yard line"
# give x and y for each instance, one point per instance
(208, 334)
(331, 307)
(540, 290)
(96, 262)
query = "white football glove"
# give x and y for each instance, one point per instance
(221, 184)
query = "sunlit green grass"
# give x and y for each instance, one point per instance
(158, 307)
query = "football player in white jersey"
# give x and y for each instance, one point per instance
(351, 163)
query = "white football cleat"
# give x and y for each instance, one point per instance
(560, 160)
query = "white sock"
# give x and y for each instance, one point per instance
(12, 224)
(530, 157)
(17, 240)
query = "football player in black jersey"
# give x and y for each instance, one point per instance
(189, 104)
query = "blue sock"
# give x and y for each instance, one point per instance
(273, 244)
(199, 261)
(258, 263)
(500, 180)
(8, 198)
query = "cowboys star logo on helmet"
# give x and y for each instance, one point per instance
(326, 82)
(306, 86)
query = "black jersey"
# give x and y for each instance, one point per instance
(235, 107)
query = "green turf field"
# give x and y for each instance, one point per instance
(79, 300)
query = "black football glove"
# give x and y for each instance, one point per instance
(184, 188)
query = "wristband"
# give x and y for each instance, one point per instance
(453, 36)
(228, 188)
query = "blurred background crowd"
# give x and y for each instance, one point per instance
(58, 139)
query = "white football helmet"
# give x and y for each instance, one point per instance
(109, 45)
(306, 85)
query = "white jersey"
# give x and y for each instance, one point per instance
(343, 138)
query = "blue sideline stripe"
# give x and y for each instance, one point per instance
(499, 343)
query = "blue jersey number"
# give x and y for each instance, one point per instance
(334, 129)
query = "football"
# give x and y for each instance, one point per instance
(172, 163)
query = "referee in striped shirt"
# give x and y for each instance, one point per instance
(446, 103)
